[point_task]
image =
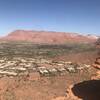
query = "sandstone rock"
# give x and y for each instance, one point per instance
(19, 68)
(61, 69)
(47, 37)
(52, 71)
(8, 73)
(71, 69)
(97, 76)
(96, 66)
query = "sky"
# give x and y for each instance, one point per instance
(80, 16)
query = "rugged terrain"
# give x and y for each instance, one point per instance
(88, 90)
(37, 70)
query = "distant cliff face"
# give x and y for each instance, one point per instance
(47, 37)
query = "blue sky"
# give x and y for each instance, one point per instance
(82, 16)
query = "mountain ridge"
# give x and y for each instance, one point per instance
(49, 37)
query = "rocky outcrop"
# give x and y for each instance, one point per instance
(87, 90)
(97, 76)
(97, 62)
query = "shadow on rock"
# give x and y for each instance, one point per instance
(87, 90)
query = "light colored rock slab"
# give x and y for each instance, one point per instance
(8, 73)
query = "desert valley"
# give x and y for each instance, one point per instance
(41, 65)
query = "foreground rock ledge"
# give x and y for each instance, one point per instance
(87, 90)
